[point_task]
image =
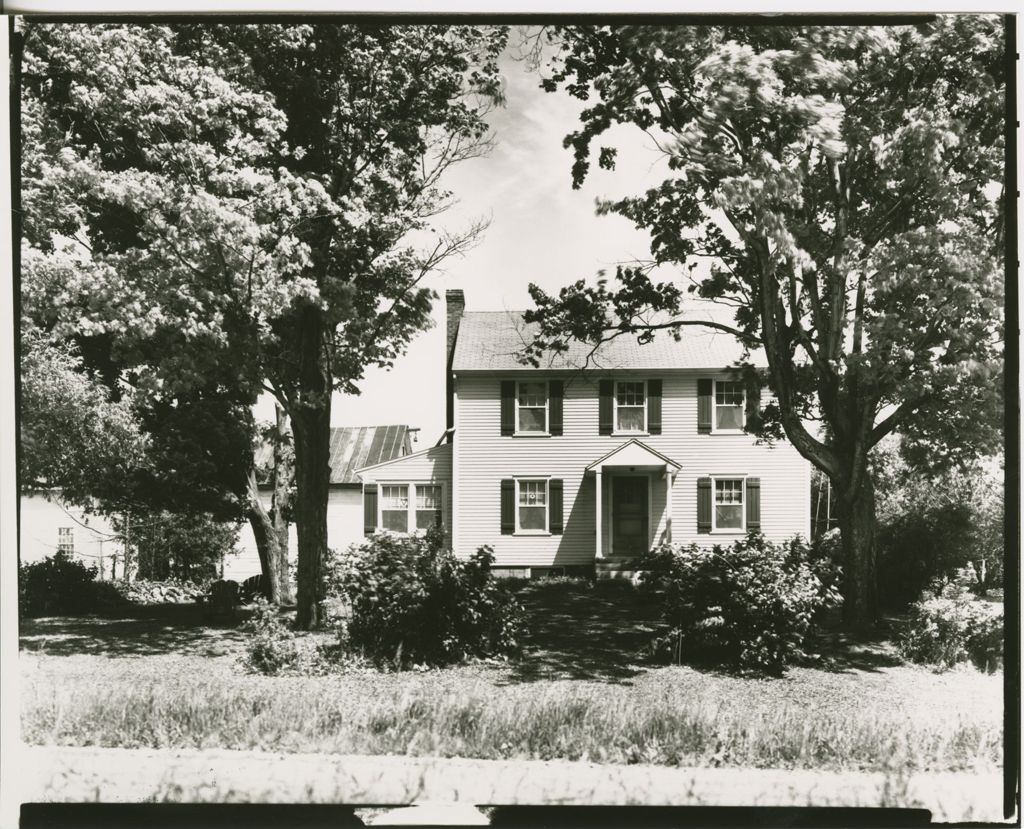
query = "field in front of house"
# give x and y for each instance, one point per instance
(581, 691)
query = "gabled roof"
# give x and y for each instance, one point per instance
(353, 447)
(634, 453)
(491, 341)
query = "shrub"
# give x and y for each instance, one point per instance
(61, 585)
(750, 605)
(947, 631)
(271, 647)
(412, 602)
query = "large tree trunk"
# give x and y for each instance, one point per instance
(265, 534)
(856, 513)
(280, 504)
(311, 428)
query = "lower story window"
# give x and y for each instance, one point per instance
(533, 506)
(728, 503)
(65, 539)
(394, 507)
(428, 506)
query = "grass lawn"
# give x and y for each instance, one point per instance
(581, 691)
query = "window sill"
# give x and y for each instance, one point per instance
(631, 434)
(728, 432)
(531, 434)
(531, 533)
(729, 531)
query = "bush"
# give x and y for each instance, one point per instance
(412, 602)
(947, 631)
(60, 585)
(271, 647)
(750, 605)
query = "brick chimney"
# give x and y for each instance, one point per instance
(455, 304)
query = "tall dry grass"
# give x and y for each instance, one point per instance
(658, 723)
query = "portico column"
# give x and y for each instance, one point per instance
(597, 510)
(668, 504)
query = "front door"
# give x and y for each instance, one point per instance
(630, 533)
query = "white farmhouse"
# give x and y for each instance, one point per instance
(560, 469)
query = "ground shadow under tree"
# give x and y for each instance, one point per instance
(595, 631)
(141, 630)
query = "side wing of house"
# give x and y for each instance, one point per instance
(48, 524)
(409, 493)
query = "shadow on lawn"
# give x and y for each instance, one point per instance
(594, 631)
(149, 630)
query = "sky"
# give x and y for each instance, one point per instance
(541, 231)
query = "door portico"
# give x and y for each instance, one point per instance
(632, 471)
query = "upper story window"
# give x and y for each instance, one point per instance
(729, 399)
(728, 510)
(65, 539)
(532, 511)
(630, 406)
(532, 407)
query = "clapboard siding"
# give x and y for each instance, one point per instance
(484, 457)
(432, 465)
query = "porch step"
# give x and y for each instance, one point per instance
(616, 568)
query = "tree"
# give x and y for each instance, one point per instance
(188, 547)
(262, 199)
(73, 437)
(840, 181)
(270, 526)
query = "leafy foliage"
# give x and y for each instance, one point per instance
(271, 647)
(945, 632)
(234, 208)
(73, 435)
(931, 526)
(412, 602)
(837, 187)
(60, 585)
(750, 605)
(182, 546)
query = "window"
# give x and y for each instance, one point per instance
(630, 407)
(65, 539)
(428, 505)
(728, 504)
(394, 507)
(728, 406)
(408, 507)
(532, 506)
(532, 407)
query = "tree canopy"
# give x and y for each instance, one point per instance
(842, 184)
(248, 208)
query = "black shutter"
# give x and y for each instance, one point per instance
(555, 525)
(508, 407)
(555, 407)
(703, 505)
(704, 407)
(752, 399)
(604, 411)
(654, 407)
(754, 504)
(369, 509)
(508, 506)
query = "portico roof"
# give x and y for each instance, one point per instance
(633, 453)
